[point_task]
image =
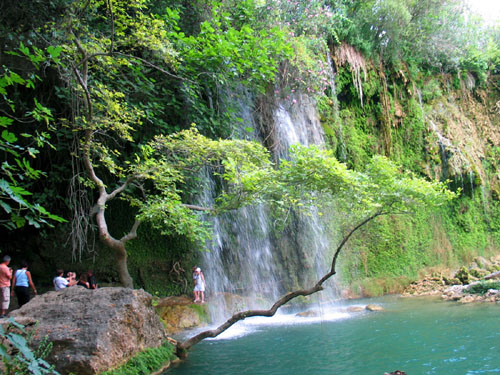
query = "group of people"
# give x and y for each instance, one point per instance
(22, 281)
(86, 279)
(19, 283)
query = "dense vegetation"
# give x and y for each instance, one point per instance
(100, 97)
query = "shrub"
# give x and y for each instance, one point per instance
(21, 359)
(483, 287)
(145, 362)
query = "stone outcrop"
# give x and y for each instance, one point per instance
(454, 286)
(93, 330)
(180, 313)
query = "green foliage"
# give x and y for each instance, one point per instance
(20, 145)
(432, 33)
(483, 287)
(23, 360)
(146, 362)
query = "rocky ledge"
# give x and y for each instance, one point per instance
(92, 330)
(480, 282)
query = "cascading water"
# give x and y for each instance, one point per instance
(248, 264)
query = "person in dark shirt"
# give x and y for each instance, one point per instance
(83, 281)
(91, 279)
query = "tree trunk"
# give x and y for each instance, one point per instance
(121, 265)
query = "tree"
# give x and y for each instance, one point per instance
(106, 49)
(314, 176)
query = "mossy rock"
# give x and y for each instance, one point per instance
(463, 275)
(478, 273)
(179, 317)
(451, 281)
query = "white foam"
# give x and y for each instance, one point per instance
(251, 325)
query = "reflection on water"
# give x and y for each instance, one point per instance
(419, 336)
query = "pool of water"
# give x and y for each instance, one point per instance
(418, 336)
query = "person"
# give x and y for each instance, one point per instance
(199, 286)
(61, 282)
(91, 279)
(71, 276)
(21, 283)
(5, 277)
(83, 281)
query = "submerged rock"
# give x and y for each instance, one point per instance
(307, 314)
(374, 308)
(355, 308)
(93, 330)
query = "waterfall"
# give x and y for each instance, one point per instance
(248, 264)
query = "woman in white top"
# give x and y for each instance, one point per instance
(199, 286)
(21, 283)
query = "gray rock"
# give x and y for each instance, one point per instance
(93, 330)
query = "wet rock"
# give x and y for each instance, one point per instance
(454, 292)
(397, 372)
(307, 314)
(93, 330)
(374, 308)
(181, 317)
(355, 308)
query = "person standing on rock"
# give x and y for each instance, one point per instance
(5, 277)
(199, 286)
(21, 283)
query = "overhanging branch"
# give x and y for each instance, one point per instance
(186, 345)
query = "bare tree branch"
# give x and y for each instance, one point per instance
(197, 208)
(132, 234)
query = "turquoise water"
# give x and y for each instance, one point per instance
(419, 336)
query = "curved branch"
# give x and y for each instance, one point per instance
(186, 345)
(183, 347)
(343, 242)
(83, 84)
(197, 208)
(132, 234)
(121, 188)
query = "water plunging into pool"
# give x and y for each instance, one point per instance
(249, 264)
(416, 335)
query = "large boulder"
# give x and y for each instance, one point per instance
(93, 330)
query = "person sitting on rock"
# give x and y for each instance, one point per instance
(91, 279)
(61, 282)
(83, 281)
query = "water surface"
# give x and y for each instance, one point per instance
(419, 336)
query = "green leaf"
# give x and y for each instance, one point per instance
(9, 137)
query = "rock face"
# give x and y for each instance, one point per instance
(180, 313)
(93, 330)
